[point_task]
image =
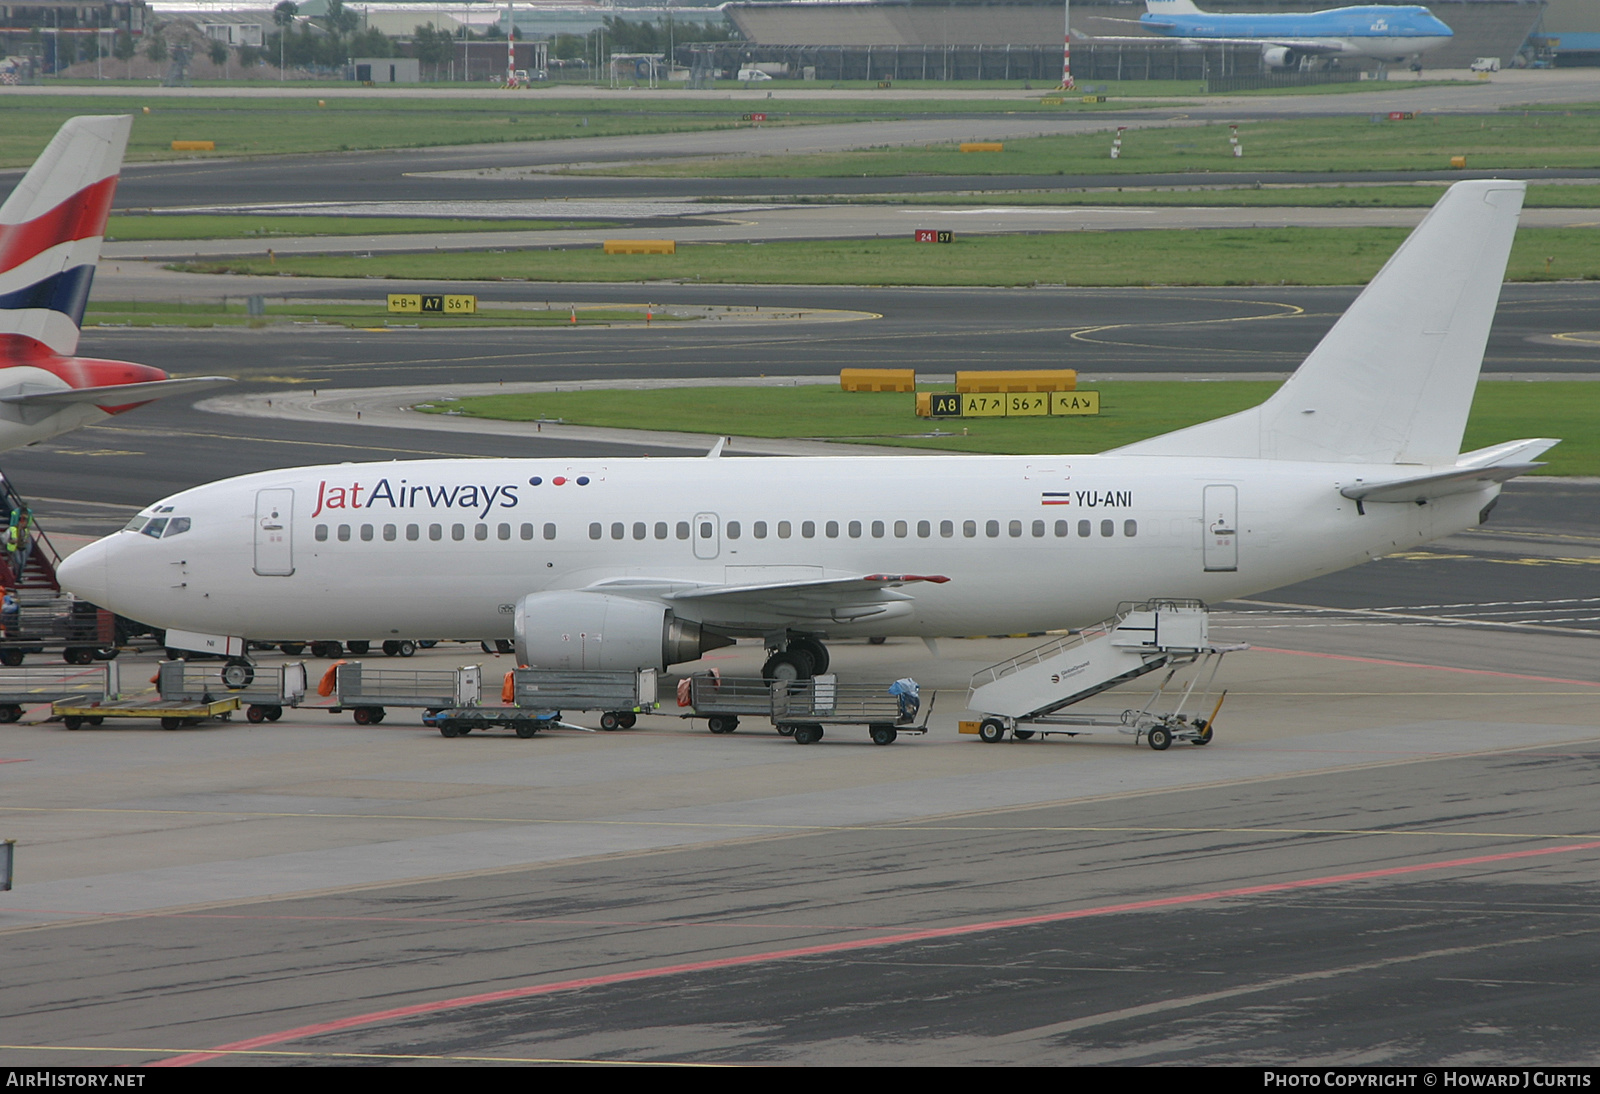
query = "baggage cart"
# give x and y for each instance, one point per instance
(269, 690)
(24, 686)
(366, 692)
(806, 706)
(721, 700)
(620, 696)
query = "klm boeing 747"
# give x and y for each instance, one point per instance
(1379, 32)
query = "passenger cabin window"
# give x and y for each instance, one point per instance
(504, 531)
(924, 529)
(320, 533)
(366, 533)
(969, 528)
(617, 529)
(901, 530)
(808, 529)
(549, 531)
(661, 529)
(480, 532)
(759, 529)
(1062, 528)
(413, 532)
(783, 529)
(1083, 529)
(682, 530)
(436, 532)
(390, 532)
(344, 533)
(732, 528)
(640, 530)
(458, 532)
(1014, 529)
(1108, 528)
(594, 530)
(1130, 528)
(991, 528)
(831, 529)
(855, 529)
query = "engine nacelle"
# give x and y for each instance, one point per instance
(582, 630)
(1280, 57)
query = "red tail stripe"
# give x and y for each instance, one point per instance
(80, 216)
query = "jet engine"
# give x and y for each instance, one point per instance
(1280, 57)
(583, 630)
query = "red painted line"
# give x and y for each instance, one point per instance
(1437, 668)
(924, 935)
(22, 761)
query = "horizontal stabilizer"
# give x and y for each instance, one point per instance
(1426, 487)
(115, 394)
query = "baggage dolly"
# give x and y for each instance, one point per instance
(804, 707)
(720, 700)
(460, 721)
(367, 692)
(20, 687)
(620, 696)
(271, 688)
(75, 714)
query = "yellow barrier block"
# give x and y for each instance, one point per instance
(983, 146)
(877, 379)
(1094, 98)
(194, 146)
(1458, 161)
(924, 404)
(1075, 402)
(1007, 381)
(641, 247)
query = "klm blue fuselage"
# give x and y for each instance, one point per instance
(1375, 31)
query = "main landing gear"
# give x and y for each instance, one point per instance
(798, 657)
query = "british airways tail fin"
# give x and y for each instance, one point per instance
(50, 232)
(1393, 381)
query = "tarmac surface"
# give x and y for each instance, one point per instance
(1390, 853)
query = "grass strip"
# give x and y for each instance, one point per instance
(1257, 256)
(1413, 196)
(1131, 411)
(1364, 143)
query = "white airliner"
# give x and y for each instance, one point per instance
(50, 231)
(627, 563)
(1382, 32)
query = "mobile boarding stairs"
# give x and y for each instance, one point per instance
(1031, 693)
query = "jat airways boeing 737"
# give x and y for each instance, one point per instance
(628, 563)
(50, 232)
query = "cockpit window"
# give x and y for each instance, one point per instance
(135, 524)
(176, 527)
(155, 527)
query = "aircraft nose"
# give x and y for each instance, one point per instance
(84, 573)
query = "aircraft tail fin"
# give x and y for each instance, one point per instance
(50, 231)
(1393, 381)
(1171, 7)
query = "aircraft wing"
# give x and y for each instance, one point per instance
(114, 394)
(817, 600)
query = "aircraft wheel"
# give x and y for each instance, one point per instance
(807, 734)
(1159, 738)
(817, 651)
(991, 731)
(884, 735)
(792, 664)
(238, 674)
(255, 714)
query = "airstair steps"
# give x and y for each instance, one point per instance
(1139, 639)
